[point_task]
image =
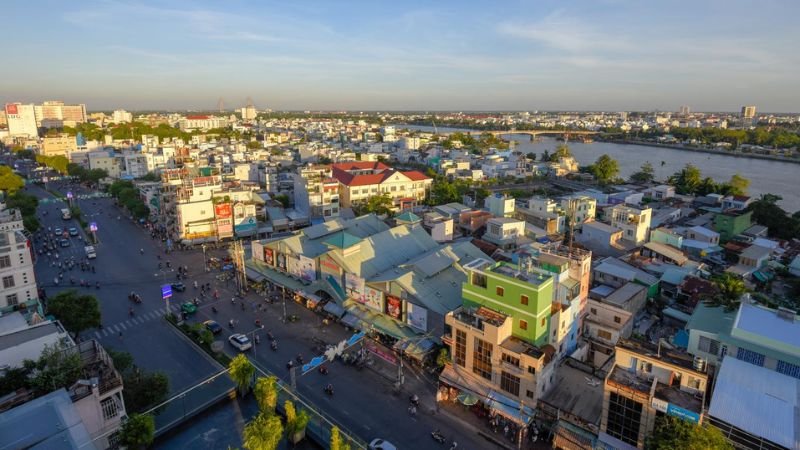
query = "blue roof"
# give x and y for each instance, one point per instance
(510, 407)
(342, 240)
(408, 216)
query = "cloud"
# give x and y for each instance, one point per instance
(558, 31)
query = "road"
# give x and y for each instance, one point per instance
(364, 402)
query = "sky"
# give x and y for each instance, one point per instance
(613, 55)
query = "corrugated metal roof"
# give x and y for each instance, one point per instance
(758, 400)
(765, 323)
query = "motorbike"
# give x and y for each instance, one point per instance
(274, 346)
(437, 436)
(329, 390)
(323, 370)
(299, 358)
(97, 285)
(414, 400)
(214, 309)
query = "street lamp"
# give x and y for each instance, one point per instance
(93, 229)
(205, 265)
(69, 198)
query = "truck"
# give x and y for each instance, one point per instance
(90, 253)
(65, 214)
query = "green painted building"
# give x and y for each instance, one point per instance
(729, 224)
(526, 297)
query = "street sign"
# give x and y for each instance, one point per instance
(166, 291)
(69, 194)
(93, 226)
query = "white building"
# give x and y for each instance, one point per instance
(122, 116)
(579, 209)
(634, 222)
(500, 205)
(202, 123)
(21, 120)
(249, 112)
(16, 262)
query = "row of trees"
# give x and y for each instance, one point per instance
(127, 196)
(781, 225)
(86, 175)
(9, 181)
(27, 205)
(58, 163)
(771, 137)
(690, 181)
(479, 145)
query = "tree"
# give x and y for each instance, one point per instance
(605, 169)
(9, 181)
(266, 392)
(291, 417)
(674, 433)
(443, 357)
(545, 156)
(143, 390)
(122, 360)
(138, 431)
(150, 176)
(729, 289)
(562, 151)
(337, 442)
(96, 175)
(645, 174)
(241, 371)
(324, 160)
(283, 199)
(738, 184)
(57, 367)
(443, 192)
(708, 186)
(76, 312)
(531, 156)
(263, 433)
(687, 180)
(766, 212)
(379, 204)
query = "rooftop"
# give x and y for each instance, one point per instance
(768, 326)
(621, 296)
(576, 393)
(50, 422)
(513, 271)
(681, 360)
(519, 346)
(476, 317)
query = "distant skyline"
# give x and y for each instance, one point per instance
(357, 55)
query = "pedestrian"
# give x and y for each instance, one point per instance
(120, 335)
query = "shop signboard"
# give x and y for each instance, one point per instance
(354, 286)
(328, 265)
(258, 251)
(280, 259)
(269, 256)
(394, 306)
(417, 316)
(246, 226)
(308, 270)
(675, 411)
(223, 211)
(373, 298)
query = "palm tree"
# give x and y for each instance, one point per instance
(728, 292)
(266, 392)
(263, 433)
(241, 371)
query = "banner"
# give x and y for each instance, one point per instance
(269, 256)
(394, 307)
(308, 270)
(328, 265)
(223, 211)
(280, 259)
(373, 298)
(354, 286)
(417, 316)
(258, 251)
(293, 266)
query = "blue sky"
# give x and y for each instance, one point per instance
(415, 55)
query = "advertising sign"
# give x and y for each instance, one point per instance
(417, 316)
(225, 228)
(258, 251)
(246, 226)
(166, 291)
(373, 298)
(223, 211)
(354, 286)
(11, 109)
(308, 270)
(280, 258)
(394, 306)
(269, 256)
(380, 352)
(328, 265)
(293, 266)
(93, 226)
(684, 414)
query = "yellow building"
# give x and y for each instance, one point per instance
(62, 144)
(361, 180)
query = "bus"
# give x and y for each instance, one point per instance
(65, 214)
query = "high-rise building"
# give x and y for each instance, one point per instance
(748, 112)
(249, 112)
(122, 116)
(54, 114)
(684, 110)
(21, 120)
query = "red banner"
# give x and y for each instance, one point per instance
(11, 108)
(394, 306)
(223, 211)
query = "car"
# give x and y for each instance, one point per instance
(213, 326)
(189, 308)
(58, 231)
(380, 444)
(178, 287)
(73, 231)
(240, 341)
(64, 243)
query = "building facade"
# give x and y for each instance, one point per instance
(21, 120)
(634, 222)
(359, 181)
(17, 276)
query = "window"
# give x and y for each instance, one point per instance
(544, 321)
(617, 319)
(529, 394)
(593, 311)
(12, 300)
(511, 359)
(523, 325)
(479, 280)
(109, 408)
(499, 291)
(532, 370)
(8, 282)
(460, 356)
(5, 261)
(708, 345)
(750, 356)
(793, 370)
(523, 299)
(482, 359)
(509, 383)
(624, 418)
(603, 334)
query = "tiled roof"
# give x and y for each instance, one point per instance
(360, 165)
(416, 175)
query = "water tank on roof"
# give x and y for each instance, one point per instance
(699, 364)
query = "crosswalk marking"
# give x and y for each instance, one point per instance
(140, 319)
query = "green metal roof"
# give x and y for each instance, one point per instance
(408, 216)
(342, 240)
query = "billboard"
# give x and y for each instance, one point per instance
(394, 306)
(417, 316)
(246, 227)
(373, 298)
(354, 286)
(269, 256)
(308, 270)
(11, 109)
(223, 211)
(293, 266)
(280, 260)
(258, 251)
(225, 228)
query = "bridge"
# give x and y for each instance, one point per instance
(531, 133)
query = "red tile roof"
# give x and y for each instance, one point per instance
(361, 165)
(416, 175)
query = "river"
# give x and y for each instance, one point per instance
(774, 177)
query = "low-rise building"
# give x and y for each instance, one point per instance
(579, 209)
(61, 145)
(506, 233)
(359, 181)
(500, 205)
(731, 223)
(634, 222)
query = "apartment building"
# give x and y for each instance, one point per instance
(316, 191)
(203, 123)
(21, 120)
(500, 205)
(56, 114)
(644, 382)
(579, 209)
(358, 181)
(106, 160)
(19, 290)
(189, 209)
(61, 145)
(634, 222)
(505, 233)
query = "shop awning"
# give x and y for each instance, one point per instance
(570, 437)
(312, 299)
(351, 321)
(416, 349)
(378, 321)
(463, 383)
(334, 309)
(510, 408)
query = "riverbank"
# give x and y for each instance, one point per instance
(702, 150)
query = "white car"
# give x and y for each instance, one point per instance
(240, 341)
(380, 444)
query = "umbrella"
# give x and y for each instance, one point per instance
(467, 399)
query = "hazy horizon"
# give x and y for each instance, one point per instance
(611, 55)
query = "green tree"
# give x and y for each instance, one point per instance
(138, 431)
(241, 371)
(337, 441)
(766, 212)
(263, 433)
(379, 204)
(443, 358)
(687, 180)
(283, 199)
(9, 181)
(96, 175)
(562, 151)
(605, 169)
(646, 174)
(738, 184)
(545, 156)
(673, 433)
(728, 291)
(291, 417)
(57, 367)
(324, 160)
(531, 156)
(122, 360)
(266, 392)
(75, 311)
(443, 192)
(144, 390)
(708, 186)
(150, 176)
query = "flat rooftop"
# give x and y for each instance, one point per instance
(513, 271)
(757, 322)
(577, 393)
(645, 348)
(519, 346)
